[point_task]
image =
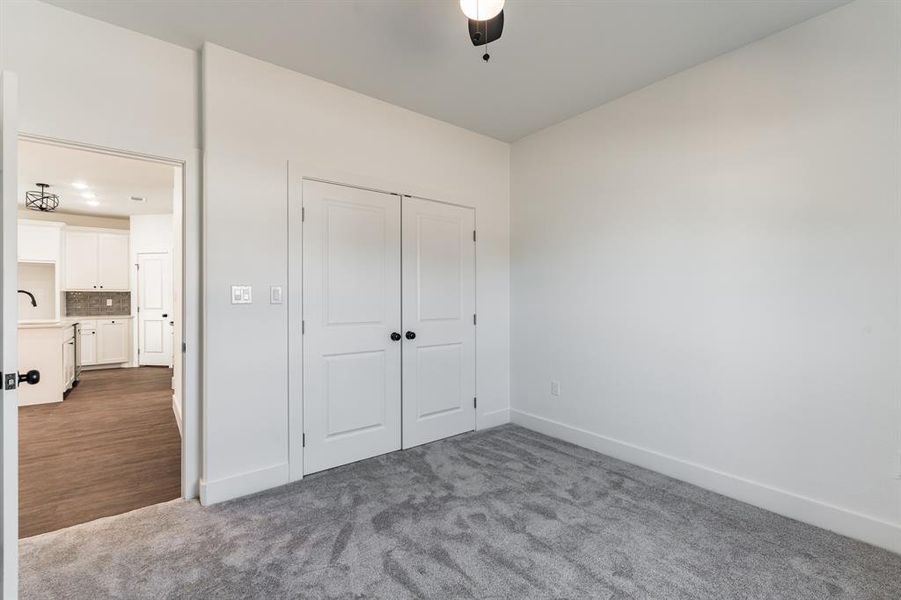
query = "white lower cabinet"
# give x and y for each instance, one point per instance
(88, 344)
(68, 362)
(111, 344)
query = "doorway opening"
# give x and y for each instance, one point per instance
(100, 310)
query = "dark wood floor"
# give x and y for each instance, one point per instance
(110, 447)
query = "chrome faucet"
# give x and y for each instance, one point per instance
(30, 295)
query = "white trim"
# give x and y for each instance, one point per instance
(212, 492)
(808, 510)
(176, 410)
(493, 419)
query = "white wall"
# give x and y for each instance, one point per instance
(93, 83)
(257, 119)
(151, 233)
(710, 267)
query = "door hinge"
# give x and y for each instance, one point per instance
(473, 235)
(303, 327)
(303, 440)
(303, 214)
(475, 402)
(10, 381)
(184, 347)
(473, 319)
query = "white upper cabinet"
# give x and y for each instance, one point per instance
(39, 241)
(96, 259)
(81, 260)
(112, 261)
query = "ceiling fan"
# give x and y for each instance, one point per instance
(486, 22)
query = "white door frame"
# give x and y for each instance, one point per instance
(297, 173)
(190, 310)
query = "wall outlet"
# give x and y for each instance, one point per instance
(555, 388)
(109, 301)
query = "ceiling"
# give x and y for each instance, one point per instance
(111, 179)
(556, 58)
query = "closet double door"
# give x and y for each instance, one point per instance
(388, 323)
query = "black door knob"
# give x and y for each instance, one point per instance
(410, 335)
(31, 377)
(395, 336)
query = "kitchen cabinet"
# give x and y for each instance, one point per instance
(96, 259)
(46, 348)
(39, 241)
(112, 261)
(112, 343)
(68, 362)
(88, 343)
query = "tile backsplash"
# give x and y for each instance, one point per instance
(94, 304)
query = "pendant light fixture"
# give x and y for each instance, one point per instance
(41, 199)
(486, 21)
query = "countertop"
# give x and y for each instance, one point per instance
(65, 322)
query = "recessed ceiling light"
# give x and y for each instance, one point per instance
(138, 199)
(93, 202)
(79, 185)
(88, 195)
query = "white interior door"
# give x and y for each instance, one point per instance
(351, 308)
(9, 504)
(439, 310)
(155, 309)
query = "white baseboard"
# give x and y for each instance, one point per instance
(494, 418)
(213, 492)
(808, 510)
(176, 408)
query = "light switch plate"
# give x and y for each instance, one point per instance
(555, 388)
(242, 294)
(275, 294)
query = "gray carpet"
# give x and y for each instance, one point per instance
(505, 513)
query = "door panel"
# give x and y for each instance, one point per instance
(438, 306)
(351, 306)
(9, 486)
(155, 308)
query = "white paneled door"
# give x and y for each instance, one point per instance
(439, 321)
(352, 324)
(9, 412)
(155, 317)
